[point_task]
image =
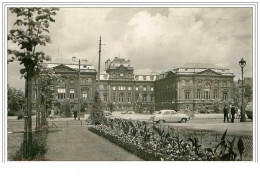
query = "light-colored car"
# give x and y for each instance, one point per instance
(170, 116)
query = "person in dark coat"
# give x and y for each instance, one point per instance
(225, 114)
(233, 112)
(75, 115)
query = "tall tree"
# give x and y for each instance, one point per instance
(31, 28)
(45, 89)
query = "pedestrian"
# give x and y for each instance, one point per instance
(225, 114)
(233, 111)
(238, 113)
(75, 115)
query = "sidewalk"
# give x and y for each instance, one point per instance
(76, 143)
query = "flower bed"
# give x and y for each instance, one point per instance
(155, 142)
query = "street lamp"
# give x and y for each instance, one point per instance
(242, 63)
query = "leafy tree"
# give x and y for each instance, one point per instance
(97, 110)
(236, 94)
(66, 109)
(83, 106)
(15, 99)
(248, 93)
(45, 90)
(111, 106)
(31, 28)
(217, 105)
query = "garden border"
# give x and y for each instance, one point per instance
(128, 147)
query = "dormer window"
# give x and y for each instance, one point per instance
(151, 77)
(144, 77)
(84, 66)
(136, 77)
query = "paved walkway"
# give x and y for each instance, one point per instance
(76, 143)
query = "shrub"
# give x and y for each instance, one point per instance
(97, 110)
(38, 147)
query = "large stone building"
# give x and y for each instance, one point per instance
(68, 88)
(124, 89)
(193, 86)
(119, 85)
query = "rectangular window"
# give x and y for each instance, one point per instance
(61, 93)
(136, 88)
(152, 89)
(129, 88)
(114, 88)
(101, 87)
(144, 88)
(207, 94)
(224, 96)
(121, 97)
(144, 98)
(84, 95)
(114, 97)
(72, 94)
(121, 88)
(144, 77)
(152, 98)
(198, 96)
(105, 97)
(105, 87)
(129, 97)
(89, 80)
(215, 94)
(187, 95)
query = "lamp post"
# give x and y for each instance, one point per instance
(242, 63)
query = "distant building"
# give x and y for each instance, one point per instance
(193, 86)
(118, 85)
(67, 88)
(124, 89)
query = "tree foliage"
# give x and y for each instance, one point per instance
(248, 93)
(66, 109)
(97, 110)
(15, 99)
(31, 28)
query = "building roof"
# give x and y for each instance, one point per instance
(196, 68)
(73, 64)
(139, 77)
(200, 66)
(117, 62)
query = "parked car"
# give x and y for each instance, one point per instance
(131, 112)
(249, 110)
(124, 112)
(170, 116)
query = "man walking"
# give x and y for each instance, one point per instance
(233, 111)
(226, 114)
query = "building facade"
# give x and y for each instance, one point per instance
(74, 84)
(193, 87)
(123, 89)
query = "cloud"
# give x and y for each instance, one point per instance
(158, 38)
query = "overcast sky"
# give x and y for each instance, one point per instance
(154, 39)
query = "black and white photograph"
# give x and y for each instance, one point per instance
(129, 94)
(130, 84)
